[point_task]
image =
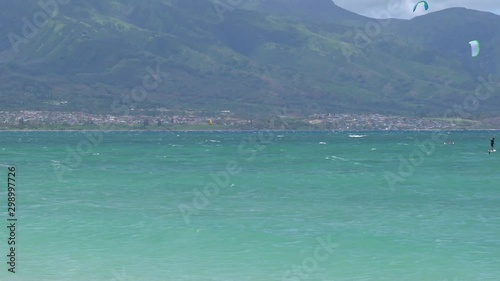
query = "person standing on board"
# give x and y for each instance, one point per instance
(492, 142)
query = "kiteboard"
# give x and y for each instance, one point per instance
(491, 150)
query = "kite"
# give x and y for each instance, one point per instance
(474, 45)
(426, 6)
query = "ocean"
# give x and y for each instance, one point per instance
(259, 206)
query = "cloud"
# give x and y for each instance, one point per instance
(402, 9)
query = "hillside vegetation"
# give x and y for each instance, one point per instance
(305, 56)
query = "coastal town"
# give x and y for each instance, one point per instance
(225, 120)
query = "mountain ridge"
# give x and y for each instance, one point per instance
(252, 61)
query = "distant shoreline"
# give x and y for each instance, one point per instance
(254, 130)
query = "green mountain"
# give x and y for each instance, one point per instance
(250, 57)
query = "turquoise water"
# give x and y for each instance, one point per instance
(290, 206)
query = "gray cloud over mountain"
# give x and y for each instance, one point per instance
(403, 9)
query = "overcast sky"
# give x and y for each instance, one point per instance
(403, 9)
